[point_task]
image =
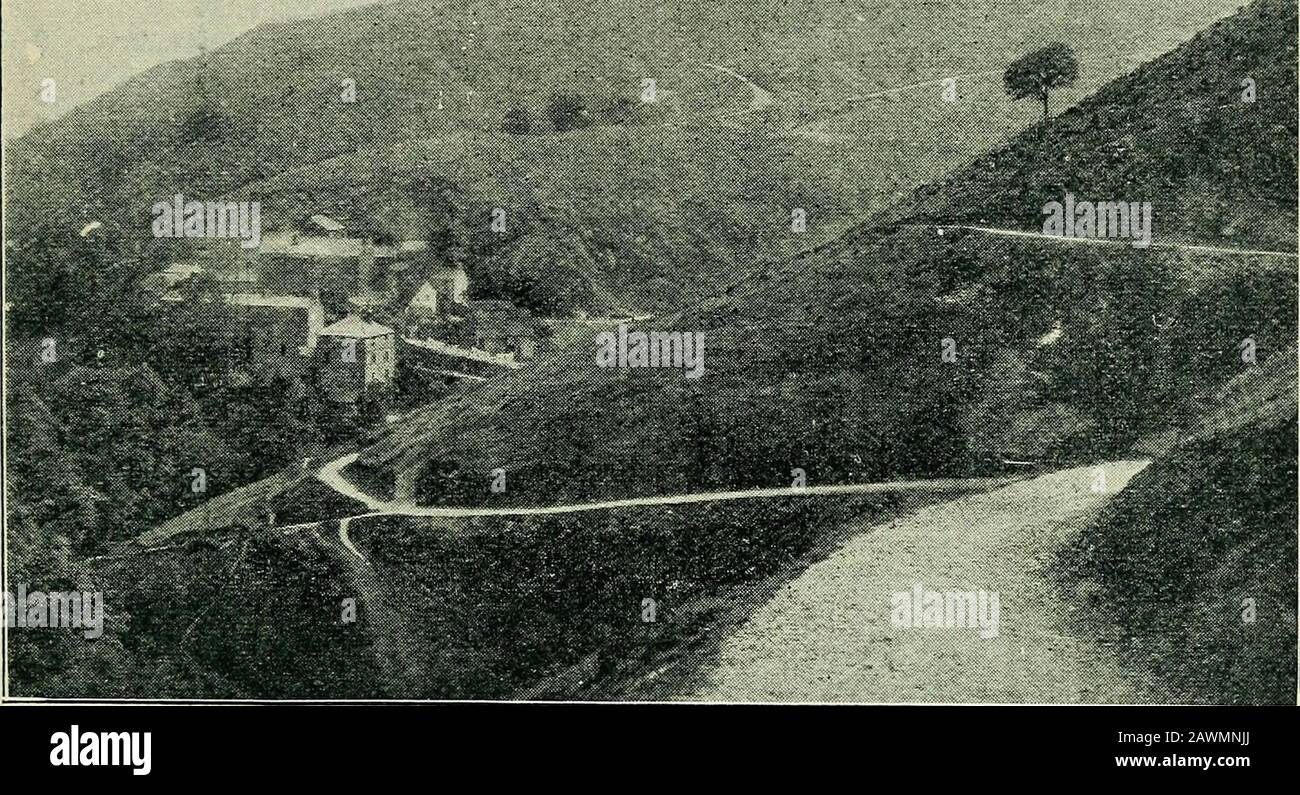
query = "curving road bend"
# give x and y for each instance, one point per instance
(829, 635)
(332, 475)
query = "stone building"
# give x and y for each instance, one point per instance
(352, 354)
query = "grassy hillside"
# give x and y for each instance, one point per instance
(485, 608)
(1214, 166)
(832, 361)
(96, 455)
(829, 361)
(228, 616)
(671, 197)
(1210, 525)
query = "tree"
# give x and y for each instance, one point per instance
(275, 417)
(199, 342)
(441, 205)
(568, 112)
(517, 121)
(78, 289)
(202, 124)
(617, 110)
(547, 271)
(1034, 75)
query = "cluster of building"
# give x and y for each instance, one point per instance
(320, 303)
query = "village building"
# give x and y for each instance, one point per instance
(420, 317)
(283, 325)
(352, 354)
(234, 278)
(295, 264)
(279, 332)
(179, 272)
(326, 226)
(386, 294)
(451, 282)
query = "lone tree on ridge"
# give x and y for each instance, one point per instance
(1034, 75)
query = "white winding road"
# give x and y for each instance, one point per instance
(331, 474)
(1107, 241)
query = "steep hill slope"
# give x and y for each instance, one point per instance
(1195, 563)
(230, 616)
(832, 362)
(1214, 165)
(674, 193)
(484, 607)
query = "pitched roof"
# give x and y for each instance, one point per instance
(177, 272)
(355, 327)
(426, 297)
(327, 223)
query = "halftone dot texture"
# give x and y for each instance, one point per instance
(822, 352)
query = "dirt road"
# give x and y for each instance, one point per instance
(1203, 248)
(760, 98)
(828, 635)
(331, 474)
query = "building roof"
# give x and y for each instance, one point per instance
(176, 273)
(425, 298)
(311, 246)
(355, 327)
(275, 301)
(327, 223)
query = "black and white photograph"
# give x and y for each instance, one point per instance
(777, 352)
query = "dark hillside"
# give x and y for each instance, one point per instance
(1196, 559)
(677, 192)
(832, 361)
(1216, 168)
